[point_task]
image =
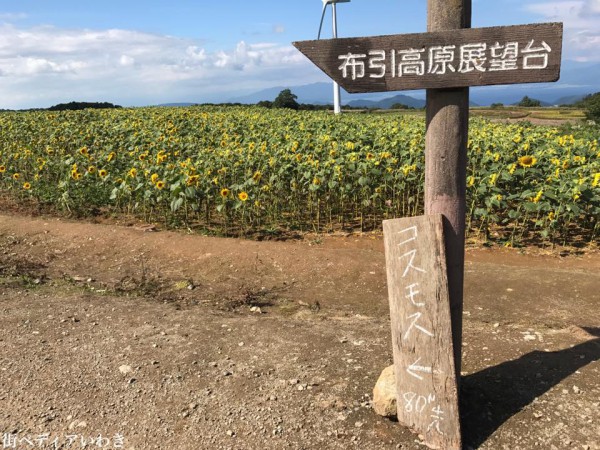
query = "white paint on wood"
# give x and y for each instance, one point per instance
(421, 329)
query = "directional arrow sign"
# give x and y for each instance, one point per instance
(421, 329)
(445, 59)
(414, 368)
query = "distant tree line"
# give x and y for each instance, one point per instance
(76, 106)
(401, 106)
(286, 99)
(591, 104)
(527, 102)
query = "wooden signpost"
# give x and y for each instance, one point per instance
(425, 255)
(427, 392)
(442, 59)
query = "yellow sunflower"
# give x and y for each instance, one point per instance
(224, 192)
(192, 180)
(243, 196)
(26, 186)
(160, 185)
(527, 161)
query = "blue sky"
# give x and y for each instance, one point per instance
(147, 52)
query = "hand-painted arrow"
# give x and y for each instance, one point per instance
(414, 368)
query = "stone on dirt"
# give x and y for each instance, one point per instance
(125, 369)
(384, 393)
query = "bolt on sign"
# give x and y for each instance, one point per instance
(427, 397)
(445, 59)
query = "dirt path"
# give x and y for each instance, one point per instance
(156, 336)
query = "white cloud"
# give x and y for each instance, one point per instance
(581, 19)
(44, 65)
(126, 61)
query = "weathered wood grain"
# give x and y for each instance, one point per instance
(447, 116)
(421, 331)
(326, 55)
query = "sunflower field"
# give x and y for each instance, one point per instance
(238, 170)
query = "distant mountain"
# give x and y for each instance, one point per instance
(388, 102)
(568, 100)
(576, 81)
(322, 94)
(171, 105)
(315, 93)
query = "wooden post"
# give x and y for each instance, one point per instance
(446, 162)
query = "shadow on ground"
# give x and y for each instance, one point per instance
(492, 396)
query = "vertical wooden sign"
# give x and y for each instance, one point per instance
(421, 329)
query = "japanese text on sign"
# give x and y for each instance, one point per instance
(421, 329)
(439, 60)
(414, 403)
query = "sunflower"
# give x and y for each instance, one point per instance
(102, 173)
(257, 176)
(26, 186)
(527, 161)
(16, 176)
(132, 172)
(224, 192)
(370, 156)
(111, 156)
(91, 169)
(243, 196)
(160, 185)
(77, 175)
(192, 180)
(2, 169)
(84, 151)
(154, 178)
